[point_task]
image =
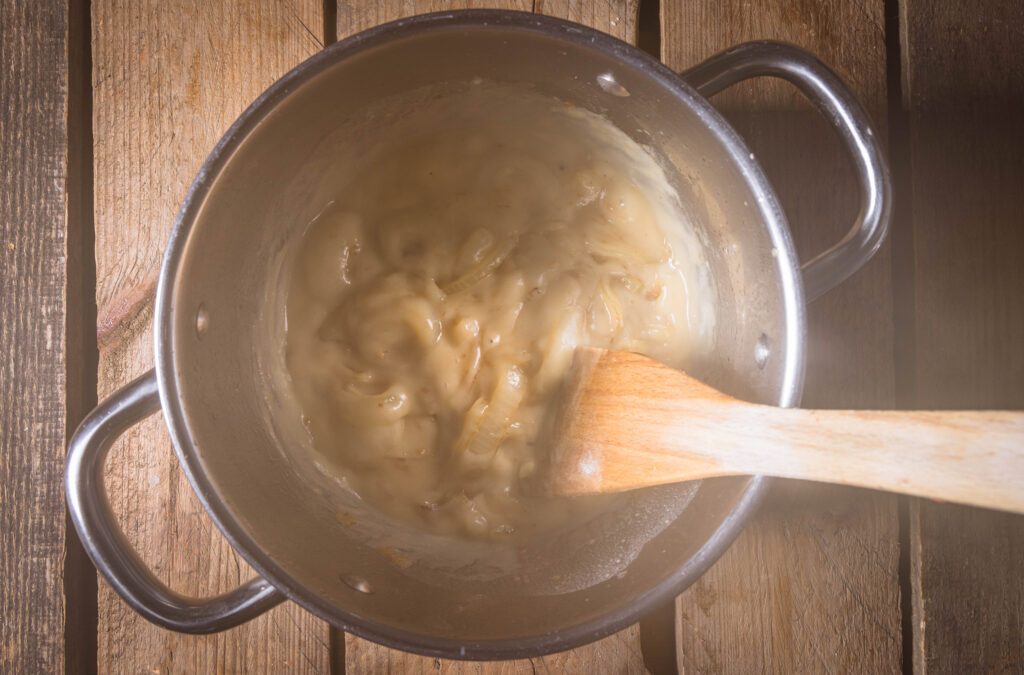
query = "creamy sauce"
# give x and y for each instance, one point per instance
(435, 305)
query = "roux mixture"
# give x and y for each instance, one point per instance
(435, 305)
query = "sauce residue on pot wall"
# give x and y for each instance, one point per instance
(435, 305)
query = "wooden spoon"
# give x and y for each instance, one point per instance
(627, 421)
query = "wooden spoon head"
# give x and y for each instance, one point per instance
(609, 426)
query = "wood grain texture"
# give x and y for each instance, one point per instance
(33, 223)
(812, 584)
(619, 653)
(615, 17)
(963, 92)
(357, 15)
(168, 79)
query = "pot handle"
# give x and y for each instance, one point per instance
(106, 544)
(834, 100)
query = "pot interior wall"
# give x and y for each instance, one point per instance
(256, 461)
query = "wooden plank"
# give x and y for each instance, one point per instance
(357, 15)
(33, 193)
(619, 653)
(963, 92)
(615, 17)
(812, 584)
(168, 79)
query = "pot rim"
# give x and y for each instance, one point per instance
(165, 313)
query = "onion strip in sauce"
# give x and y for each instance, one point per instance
(488, 263)
(496, 417)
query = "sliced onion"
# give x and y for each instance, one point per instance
(487, 264)
(471, 425)
(363, 410)
(603, 248)
(495, 417)
(612, 305)
(558, 352)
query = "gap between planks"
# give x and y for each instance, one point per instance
(82, 356)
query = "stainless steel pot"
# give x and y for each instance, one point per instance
(253, 195)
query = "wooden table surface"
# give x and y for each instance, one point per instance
(108, 108)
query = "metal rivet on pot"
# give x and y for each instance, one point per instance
(202, 321)
(762, 350)
(356, 583)
(608, 82)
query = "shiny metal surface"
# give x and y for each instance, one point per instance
(107, 545)
(263, 183)
(828, 93)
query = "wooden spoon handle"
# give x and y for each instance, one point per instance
(971, 457)
(641, 423)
